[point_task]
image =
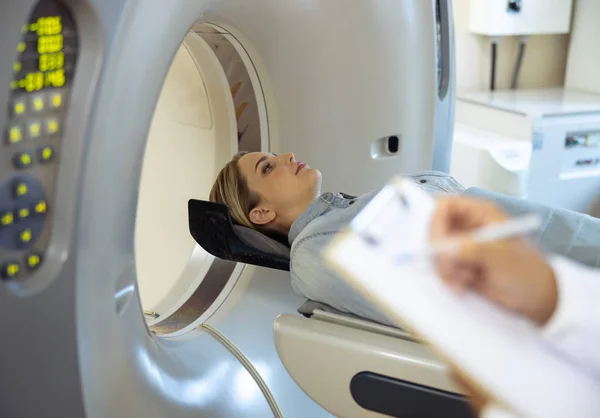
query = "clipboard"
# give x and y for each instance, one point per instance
(501, 353)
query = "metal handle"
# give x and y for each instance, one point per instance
(446, 45)
(154, 315)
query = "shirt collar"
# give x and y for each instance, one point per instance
(316, 209)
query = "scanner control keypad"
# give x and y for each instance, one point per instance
(32, 139)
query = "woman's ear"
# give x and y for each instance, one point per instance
(262, 215)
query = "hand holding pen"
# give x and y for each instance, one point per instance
(480, 248)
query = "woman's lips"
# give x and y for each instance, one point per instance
(300, 167)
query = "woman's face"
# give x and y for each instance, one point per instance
(286, 186)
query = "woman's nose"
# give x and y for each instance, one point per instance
(290, 157)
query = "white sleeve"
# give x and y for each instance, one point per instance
(574, 328)
(492, 410)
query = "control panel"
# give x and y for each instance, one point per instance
(582, 154)
(43, 71)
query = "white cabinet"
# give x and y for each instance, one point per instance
(519, 17)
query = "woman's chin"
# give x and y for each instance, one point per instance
(313, 172)
(315, 178)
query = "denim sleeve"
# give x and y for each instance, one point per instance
(437, 182)
(563, 232)
(312, 279)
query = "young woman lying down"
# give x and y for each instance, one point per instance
(281, 197)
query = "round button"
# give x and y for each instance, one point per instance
(40, 207)
(52, 126)
(7, 218)
(45, 154)
(19, 107)
(20, 189)
(23, 213)
(22, 160)
(10, 270)
(34, 129)
(25, 237)
(14, 136)
(33, 261)
(37, 102)
(56, 100)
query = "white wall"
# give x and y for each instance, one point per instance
(543, 65)
(583, 67)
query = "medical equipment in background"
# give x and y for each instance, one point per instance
(540, 144)
(88, 154)
(519, 17)
(560, 126)
(489, 160)
(500, 18)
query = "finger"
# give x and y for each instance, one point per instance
(456, 275)
(459, 214)
(446, 271)
(440, 222)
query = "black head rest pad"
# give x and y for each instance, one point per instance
(212, 228)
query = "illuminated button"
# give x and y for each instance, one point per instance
(33, 261)
(40, 207)
(14, 135)
(37, 103)
(17, 66)
(19, 107)
(20, 189)
(45, 154)
(6, 219)
(22, 160)
(10, 270)
(23, 213)
(25, 236)
(35, 130)
(56, 100)
(21, 47)
(52, 126)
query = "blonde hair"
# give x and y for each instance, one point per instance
(231, 189)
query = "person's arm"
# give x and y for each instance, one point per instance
(574, 327)
(314, 280)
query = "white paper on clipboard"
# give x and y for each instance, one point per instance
(499, 351)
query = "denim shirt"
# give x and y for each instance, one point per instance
(563, 232)
(312, 231)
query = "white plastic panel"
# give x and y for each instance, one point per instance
(536, 17)
(191, 136)
(323, 358)
(179, 163)
(329, 103)
(491, 161)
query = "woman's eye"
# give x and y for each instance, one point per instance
(267, 167)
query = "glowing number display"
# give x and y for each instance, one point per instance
(52, 61)
(47, 26)
(47, 50)
(50, 43)
(55, 78)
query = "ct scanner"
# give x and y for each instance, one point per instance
(118, 112)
